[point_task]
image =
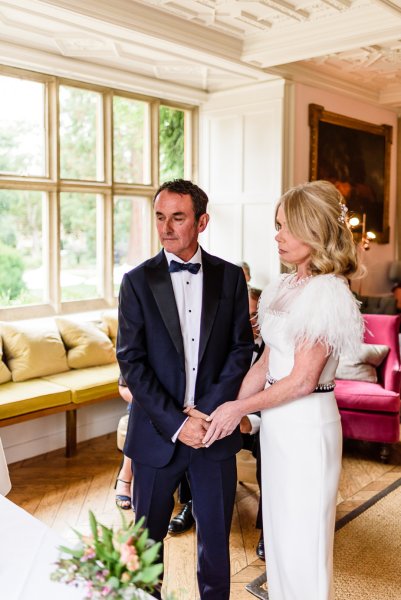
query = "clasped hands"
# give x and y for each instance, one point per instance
(201, 430)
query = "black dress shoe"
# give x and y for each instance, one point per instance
(183, 521)
(260, 548)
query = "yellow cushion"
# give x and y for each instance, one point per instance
(33, 349)
(110, 322)
(87, 346)
(5, 373)
(28, 396)
(89, 384)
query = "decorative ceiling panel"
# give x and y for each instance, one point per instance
(213, 45)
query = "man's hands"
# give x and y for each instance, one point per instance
(194, 429)
(201, 430)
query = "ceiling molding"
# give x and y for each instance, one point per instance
(184, 49)
(71, 68)
(307, 75)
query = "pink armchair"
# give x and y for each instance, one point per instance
(371, 411)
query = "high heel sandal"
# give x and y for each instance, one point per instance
(122, 501)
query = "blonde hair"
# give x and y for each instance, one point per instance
(314, 216)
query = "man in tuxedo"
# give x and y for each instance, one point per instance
(184, 340)
(249, 427)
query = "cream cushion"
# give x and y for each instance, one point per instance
(33, 350)
(362, 367)
(87, 345)
(110, 323)
(5, 373)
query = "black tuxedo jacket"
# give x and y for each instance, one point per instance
(150, 352)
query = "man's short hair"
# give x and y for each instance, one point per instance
(182, 187)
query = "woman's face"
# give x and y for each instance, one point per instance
(290, 249)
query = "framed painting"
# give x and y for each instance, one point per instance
(355, 156)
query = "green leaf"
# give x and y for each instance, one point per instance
(141, 542)
(149, 556)
(113, 582)
(93, 525)
(151, 574)
(73, 551)
(107, 536)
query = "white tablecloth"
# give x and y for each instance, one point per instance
(28, 550)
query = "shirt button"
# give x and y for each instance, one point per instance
(193, 368)
(190, 310)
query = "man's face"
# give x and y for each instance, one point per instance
(253, 316)
(176, 225)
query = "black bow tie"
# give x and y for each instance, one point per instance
(175, 266)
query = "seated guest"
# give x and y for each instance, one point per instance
(124, 479)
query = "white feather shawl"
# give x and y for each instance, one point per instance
(324, 311)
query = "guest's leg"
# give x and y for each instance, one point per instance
(123, 484)
(213, 485)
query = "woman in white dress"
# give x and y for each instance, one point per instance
(307, 319)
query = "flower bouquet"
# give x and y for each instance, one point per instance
(111, 564)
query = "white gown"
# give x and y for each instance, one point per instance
(301, 440)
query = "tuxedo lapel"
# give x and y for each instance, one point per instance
(212, 282)
(159, 281)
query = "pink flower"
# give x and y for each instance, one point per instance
(129, 557)
(106, 590)
(89, 553)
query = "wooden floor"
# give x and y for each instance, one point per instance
(60, 491)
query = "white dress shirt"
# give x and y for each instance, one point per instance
(188, 297)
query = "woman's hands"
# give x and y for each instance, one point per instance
(223, 421)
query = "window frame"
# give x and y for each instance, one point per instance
(53, 185)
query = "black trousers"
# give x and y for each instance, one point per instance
(213, 486)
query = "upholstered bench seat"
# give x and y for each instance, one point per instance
(31, 396)
(89, 384)
(366, 396)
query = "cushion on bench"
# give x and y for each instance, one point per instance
(33, 350)
(87, 346)
(89, 384)
(29, 396)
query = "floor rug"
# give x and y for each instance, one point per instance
(367, 551)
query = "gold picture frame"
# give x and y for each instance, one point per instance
(355, 156)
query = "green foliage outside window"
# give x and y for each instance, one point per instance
(171, 140)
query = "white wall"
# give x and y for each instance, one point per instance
(379, 256)
(42, 435)
(241, 169)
